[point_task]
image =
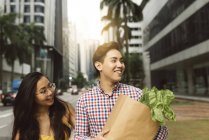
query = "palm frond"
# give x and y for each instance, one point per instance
(104, 18)
(136, 13)
(144, 3)
(106, 28)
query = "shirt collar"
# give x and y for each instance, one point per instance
(116, 86)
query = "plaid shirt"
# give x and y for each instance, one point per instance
(93, 108)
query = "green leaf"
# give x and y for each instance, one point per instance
(159, 103)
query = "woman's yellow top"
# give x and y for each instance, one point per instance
(45, 137)
(65, 121)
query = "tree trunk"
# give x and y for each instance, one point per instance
(127, 53)
(126, 44)
(12, 73)
(32, 61)
(1, 57)
(1, 71)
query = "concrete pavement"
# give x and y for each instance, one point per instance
(193, 98)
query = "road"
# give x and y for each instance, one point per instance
(6, 120)
(6, 116)
(70, 98)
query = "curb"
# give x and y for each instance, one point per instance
(192, 98)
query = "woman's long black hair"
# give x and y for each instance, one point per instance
(25, 121)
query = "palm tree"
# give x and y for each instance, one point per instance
(36, 40)
(18, 48)
(137, 64)
(7, 27)
(17, 41)
(120, 12)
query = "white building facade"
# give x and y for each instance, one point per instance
(176, 36)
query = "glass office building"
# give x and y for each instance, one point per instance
(176, 40)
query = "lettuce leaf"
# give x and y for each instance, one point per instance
(159, 102)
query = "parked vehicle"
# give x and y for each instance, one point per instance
(74, 90)
(8, 97)
(59, 92)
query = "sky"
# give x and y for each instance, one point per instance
(86, 15)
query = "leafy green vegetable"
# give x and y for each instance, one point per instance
(159, 102)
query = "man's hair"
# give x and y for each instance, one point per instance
(103, 49)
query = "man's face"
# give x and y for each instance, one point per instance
(112, 67)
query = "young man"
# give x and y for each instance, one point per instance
(94, 106)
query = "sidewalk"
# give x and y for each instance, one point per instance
(193, 98)
(192, 107)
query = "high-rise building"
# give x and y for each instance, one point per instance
(135, 42)
(73, 50)
(176, 38)
(50, 15)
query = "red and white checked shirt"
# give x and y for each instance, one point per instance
(94, 106)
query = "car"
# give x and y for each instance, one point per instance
(8, 97)
(59, 92)
(75, 91)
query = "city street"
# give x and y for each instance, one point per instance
(6, 116)
(72, 99)
(6, 119)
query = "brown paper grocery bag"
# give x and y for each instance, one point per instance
(130, 120)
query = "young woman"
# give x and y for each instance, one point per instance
(38, 113)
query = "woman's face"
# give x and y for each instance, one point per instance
(44, 92)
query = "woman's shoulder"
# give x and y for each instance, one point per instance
(17, 136)
(69, 117)
(70, 108)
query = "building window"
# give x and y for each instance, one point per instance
(39, 1)
(39, 19)
(12, 0)
(39, 9)
(26, 19)
(136, 37)
(27, 0)
(27, 8)
(192, 31)
(136, 29)
(12, 9)
(135, 45)
(174, 8)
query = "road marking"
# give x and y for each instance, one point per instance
(2, 126)
(6, 115)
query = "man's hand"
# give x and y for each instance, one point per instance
(100, 135)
